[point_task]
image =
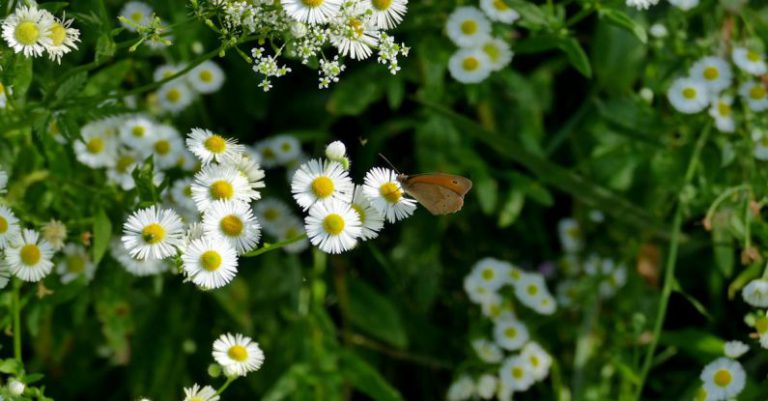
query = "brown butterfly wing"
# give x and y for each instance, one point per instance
(436, 198)
(456, 183)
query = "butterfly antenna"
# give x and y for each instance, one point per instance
(389, 162)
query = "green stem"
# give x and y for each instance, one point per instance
(669, 272)
(226, 384)
(277, 245)
(721, 198)
(16, 302)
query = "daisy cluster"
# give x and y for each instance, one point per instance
(139, 17)
(724, 378)
(355, 28)
(33, 31)
(340, 212)
(755, 293)
(479, 53)
(177, 94)
(710, 86)
(31, 255)
(526, 362)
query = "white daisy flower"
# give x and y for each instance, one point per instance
(122, 172)
(220, 182)
(486, 386)
(498, 10)
(470, 66)
(271, 212)
(714, 72)
(355, 39)
(98, 146)
(28, 256)
(539, 361)
(496, 308)
(487, 351)
(140, 268)
(642, 4)
(210, 263)
(208, 146)
(237, 354)
(755, 94)
(138, 13)
(5, 273)
(386, 194)
(658, 31)
(318, 181)
(688, 95)
(477, 290)
(515, 374)
(755, 293)
(174, 96)
(723, 378)
(749, 61)
(735, 349)
(187, 161)
(28, 30)
(372, 220)
(166, 146)
(336, 151)
(493, 273)
(760, 139)
(510, 333)
(291, 228)
(3, 176)
(75, 264)
(267, 152)
(722, 112)
(15, 387)
(9, 226)
(249, 169)
(55, 232)
(684, 5)
(532, 292)
(138, 133)
(166, 71)
(234, 223)
(387, 14)
(468, 27)
(63, 37)
(196, 393)
(498, 52)
(333, 226)
(286, 147)
(461, 389)
(153, 233)
(206, 78)
(312, 11)
(571, 237)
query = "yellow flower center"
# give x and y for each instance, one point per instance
(469, 27)
(187, 191)
(3, 225)
(517, 372)
(312, 3)
(162, 147)
(381, 4)
(153, 233)
(322, 187)
(711, 73)
(510, 332)
(689, 93)
(138, 131)
(268, 154)
(222, 190)
(211, 260)
(534, 360)
(271, 214)
(762, 325)
(231, 225)
(360, 212)
(515, 275)
(95, 145)
(391, 192)
(532, 289)
(470, 63)
(357, 27)
(333, 224)
(173, 95)
(123, 163)
(206, 76)
(30, 254)
(137, 16)
(27, 33)
(488, 274)
(757, 92)
(215, 144)
(722, 377)
(238, 353)
(500, 5)
(753, 56)
(75, 264)
(724, 109)
(58, 34)
(491, 50)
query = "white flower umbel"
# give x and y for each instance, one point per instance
(210, 263)
(140, 268)
(63, 37)
(75, 264)
(760, 139)
(386, 194)
(312, 11)
(271, 212)
(571, 237)
(515, 374)
(234, 223)
(723, 378)
(237, 354)
(539, 361)
(688, 95)
(755, 94)
(755, 293)
(29, 257)
(387, 14)
(138, 132)
(355, 39)
(749, 61)
(152, 233)
(498, 53)
(470, 66)
(138, 13)
(492, 273)
(175, 96)
(461, 389)
(468, 27)
(318, 181)
(9, 226)
(642, 4)
(206, 78)
(333, 226)
(371, 219)
(498, 10)
(510, 333)
(287, 148)
(714, 72)
(735, 349)
(98, 144)
(209, 147)
(684, 5)
(28, 30)
(487, 351)
(722, 112)
(166, 146)
(196, 393)
(486, 386)
(220, 182)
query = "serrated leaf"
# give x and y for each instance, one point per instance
(363, 377)
(102, 233)
(622, 20)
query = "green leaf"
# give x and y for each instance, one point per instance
(54, 6)
(723, 248)
(576, 55)
(71, 85)
(102, 232)
(701, 345)
(22, 75)
(622, 20)
(363, 377)
(511, 209)
(107, 79)
(375, 314)
(11, 366)
(288, 383)
(355, 93)
(530, 13)
(750, 273)
(105, 47)
(487, 191)
(693, 301)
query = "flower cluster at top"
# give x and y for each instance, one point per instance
(32, 31)
(479, 53)
(502, 375)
